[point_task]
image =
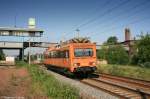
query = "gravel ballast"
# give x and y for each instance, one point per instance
(85, 91)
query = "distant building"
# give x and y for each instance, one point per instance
(129, 43)
(127, 34)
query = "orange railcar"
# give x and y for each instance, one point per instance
(74, 57)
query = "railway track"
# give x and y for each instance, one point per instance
(122, 87)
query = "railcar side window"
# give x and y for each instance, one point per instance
(59, 54)
(49, 55)
(78, 52)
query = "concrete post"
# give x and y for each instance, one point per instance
(20, 54)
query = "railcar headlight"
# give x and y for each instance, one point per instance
(94, 63)
(76, 64)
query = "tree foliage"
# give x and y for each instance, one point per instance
(114, 54)
(101, 54)
(112, 40)
(144, 50)
(117, 55)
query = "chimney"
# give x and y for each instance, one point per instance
(127, 34)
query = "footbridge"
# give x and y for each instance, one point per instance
(23, 45)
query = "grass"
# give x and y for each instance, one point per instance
(48, 85)
(126, 71)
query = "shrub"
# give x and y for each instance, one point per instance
(117, 55)
(144, 50)
(101, 54)
(134, 60)
(114, 54)
(147, 64)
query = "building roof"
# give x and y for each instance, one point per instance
(128, 41)
(15, 31)
(20, 29)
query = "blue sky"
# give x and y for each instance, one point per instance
(97, 19)
(104, 18)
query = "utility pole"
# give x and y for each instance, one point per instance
(63, 37)
(15, 20)
(29, 51)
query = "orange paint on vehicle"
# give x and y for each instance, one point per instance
(70, 61)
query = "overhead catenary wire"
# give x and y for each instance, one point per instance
(123, 25)
(102, 15)
(91, 13)
(120, 14)
(123, 14)
(133, 7)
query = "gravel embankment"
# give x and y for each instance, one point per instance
(85, 91)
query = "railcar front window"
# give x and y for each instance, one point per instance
(83, 52)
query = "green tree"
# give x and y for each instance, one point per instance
(114, 54)
(134, 56)
(101, 54)
(144, 50)
(2, 55)
(112, 40)
(117, 55)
